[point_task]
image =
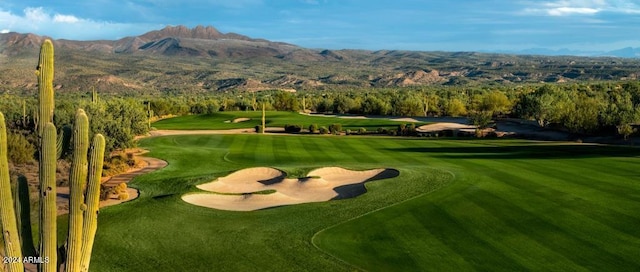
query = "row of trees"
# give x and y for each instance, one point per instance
(118, 119)
(583, 108)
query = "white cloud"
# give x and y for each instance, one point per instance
(5, 31)
(59, 18)
(66, 26)
(35, 15)
(579, 7)
(562, 11)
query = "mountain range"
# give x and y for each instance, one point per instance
(202, 59)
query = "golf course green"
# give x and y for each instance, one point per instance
(457, 205)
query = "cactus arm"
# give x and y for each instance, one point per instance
(48, 209)
(23, 215)
(92, 198)
(24, 113)
(263, 119)
(77, 182)
(45, 86)
(7, 212)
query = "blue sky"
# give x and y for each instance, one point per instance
(462, 25)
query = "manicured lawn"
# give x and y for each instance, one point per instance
(457, 205)
(273, 119)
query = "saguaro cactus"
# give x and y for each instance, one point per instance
(9, 226)
(48, 208)
(263, 119)
(90, 218)
(77, 181)
(83, 215)
(94, 95)
(45, 86)
(48, 155)
(23, 216)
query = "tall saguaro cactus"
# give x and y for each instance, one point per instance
(263, 119)
(45, 86)
(83, 207)
(47, 140)
(9, 226)
(48, 208)
(77, 180)
(90, 216)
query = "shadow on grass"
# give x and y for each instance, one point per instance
(356, 189)
(552, 151)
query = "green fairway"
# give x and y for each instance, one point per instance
(224, 120)
(457, 205)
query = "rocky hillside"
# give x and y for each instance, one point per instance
(202, 59)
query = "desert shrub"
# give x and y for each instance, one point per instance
(362, 131)
(402, 129)
(292, 128)
(411, 129)
(114, 165)
(335, 128)
(123, 196)
(131, 160)
(324, 130)
(313, 128)
(104, 192)
(259, 129)
(19, 148)
(122, 187)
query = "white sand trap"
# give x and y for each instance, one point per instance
(405, 119)
(244, 181)
(444, 126)
(240, 120)
(322, 184)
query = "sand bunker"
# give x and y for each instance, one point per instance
(444, 126)
(239, 120)
(263, 187)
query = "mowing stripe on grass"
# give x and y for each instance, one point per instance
(564, 242)
(225, 140)
(249, 149)
(561, 199)
(618, 202)
(602, 234)
(595, 180)
(389, 144)
(263, 154)
(448, 229)
(354, 149)
(333, 154)
(296, 149)
(509, 240)
(317, 151)
(279, 147)
(593, 222)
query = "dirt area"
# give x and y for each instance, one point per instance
(263, 187)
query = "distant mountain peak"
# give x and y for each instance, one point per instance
(180, 31)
